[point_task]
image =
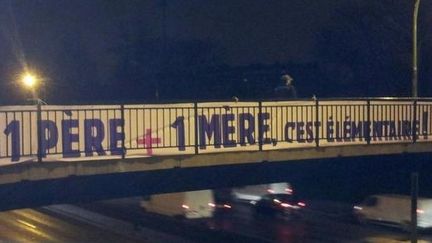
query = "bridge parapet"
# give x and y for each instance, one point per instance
(48, 133)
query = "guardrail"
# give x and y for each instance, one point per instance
(46, 133)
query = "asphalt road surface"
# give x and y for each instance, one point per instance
(321, 222)
(66, 223)
(124, 221)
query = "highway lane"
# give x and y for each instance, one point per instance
(192, 230)
(42, 225)
(124, 221)
(329, 223)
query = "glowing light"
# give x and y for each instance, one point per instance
(212, 205)
(301, 204)
(270, 191)
(26, 224)
(419, 211)
(185, 206)
(285, 205)
(29, 80)
(227, 206)
(358, 208)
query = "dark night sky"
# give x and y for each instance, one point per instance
(74, 40)
(253, 31)
(250, 31)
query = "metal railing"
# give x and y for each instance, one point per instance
(193, 128)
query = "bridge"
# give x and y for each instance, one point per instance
(53, 150)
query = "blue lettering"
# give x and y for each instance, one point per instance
(92, 140)
(377, 130)
(309, 132)
(392, 130)
(386, 125)
(49, 135)
(228, 130)
(347, 129)
(330, 130)
(289, 128)
(13, 128)
(417, 129)
(246, 132)
(264, 127)
(209, 129)
(300, 132)
(357, 130)
(69, 138)
(116, 136)
(406, 129)
(180, 128)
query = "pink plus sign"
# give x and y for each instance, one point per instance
(148, 141)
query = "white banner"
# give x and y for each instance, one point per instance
(112, 131)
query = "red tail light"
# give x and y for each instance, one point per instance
(301, 204)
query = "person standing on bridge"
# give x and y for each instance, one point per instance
(287, 89)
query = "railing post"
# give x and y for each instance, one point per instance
(196, 127)
(39, 131)
(414, 125)
(123, 131)
(317, 137)
(368, 121)
(260, 132)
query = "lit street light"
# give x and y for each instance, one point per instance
(31, 81)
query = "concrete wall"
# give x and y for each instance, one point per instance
(57, 170)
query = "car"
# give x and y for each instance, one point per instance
(222, 200)
(189, 205)
(394, 210)
(254, 193)
(280, 204)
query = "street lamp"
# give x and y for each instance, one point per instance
(31, 81)
(414, 64)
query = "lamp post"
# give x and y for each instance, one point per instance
(163, 57)
(414, 54)
(31, 81)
